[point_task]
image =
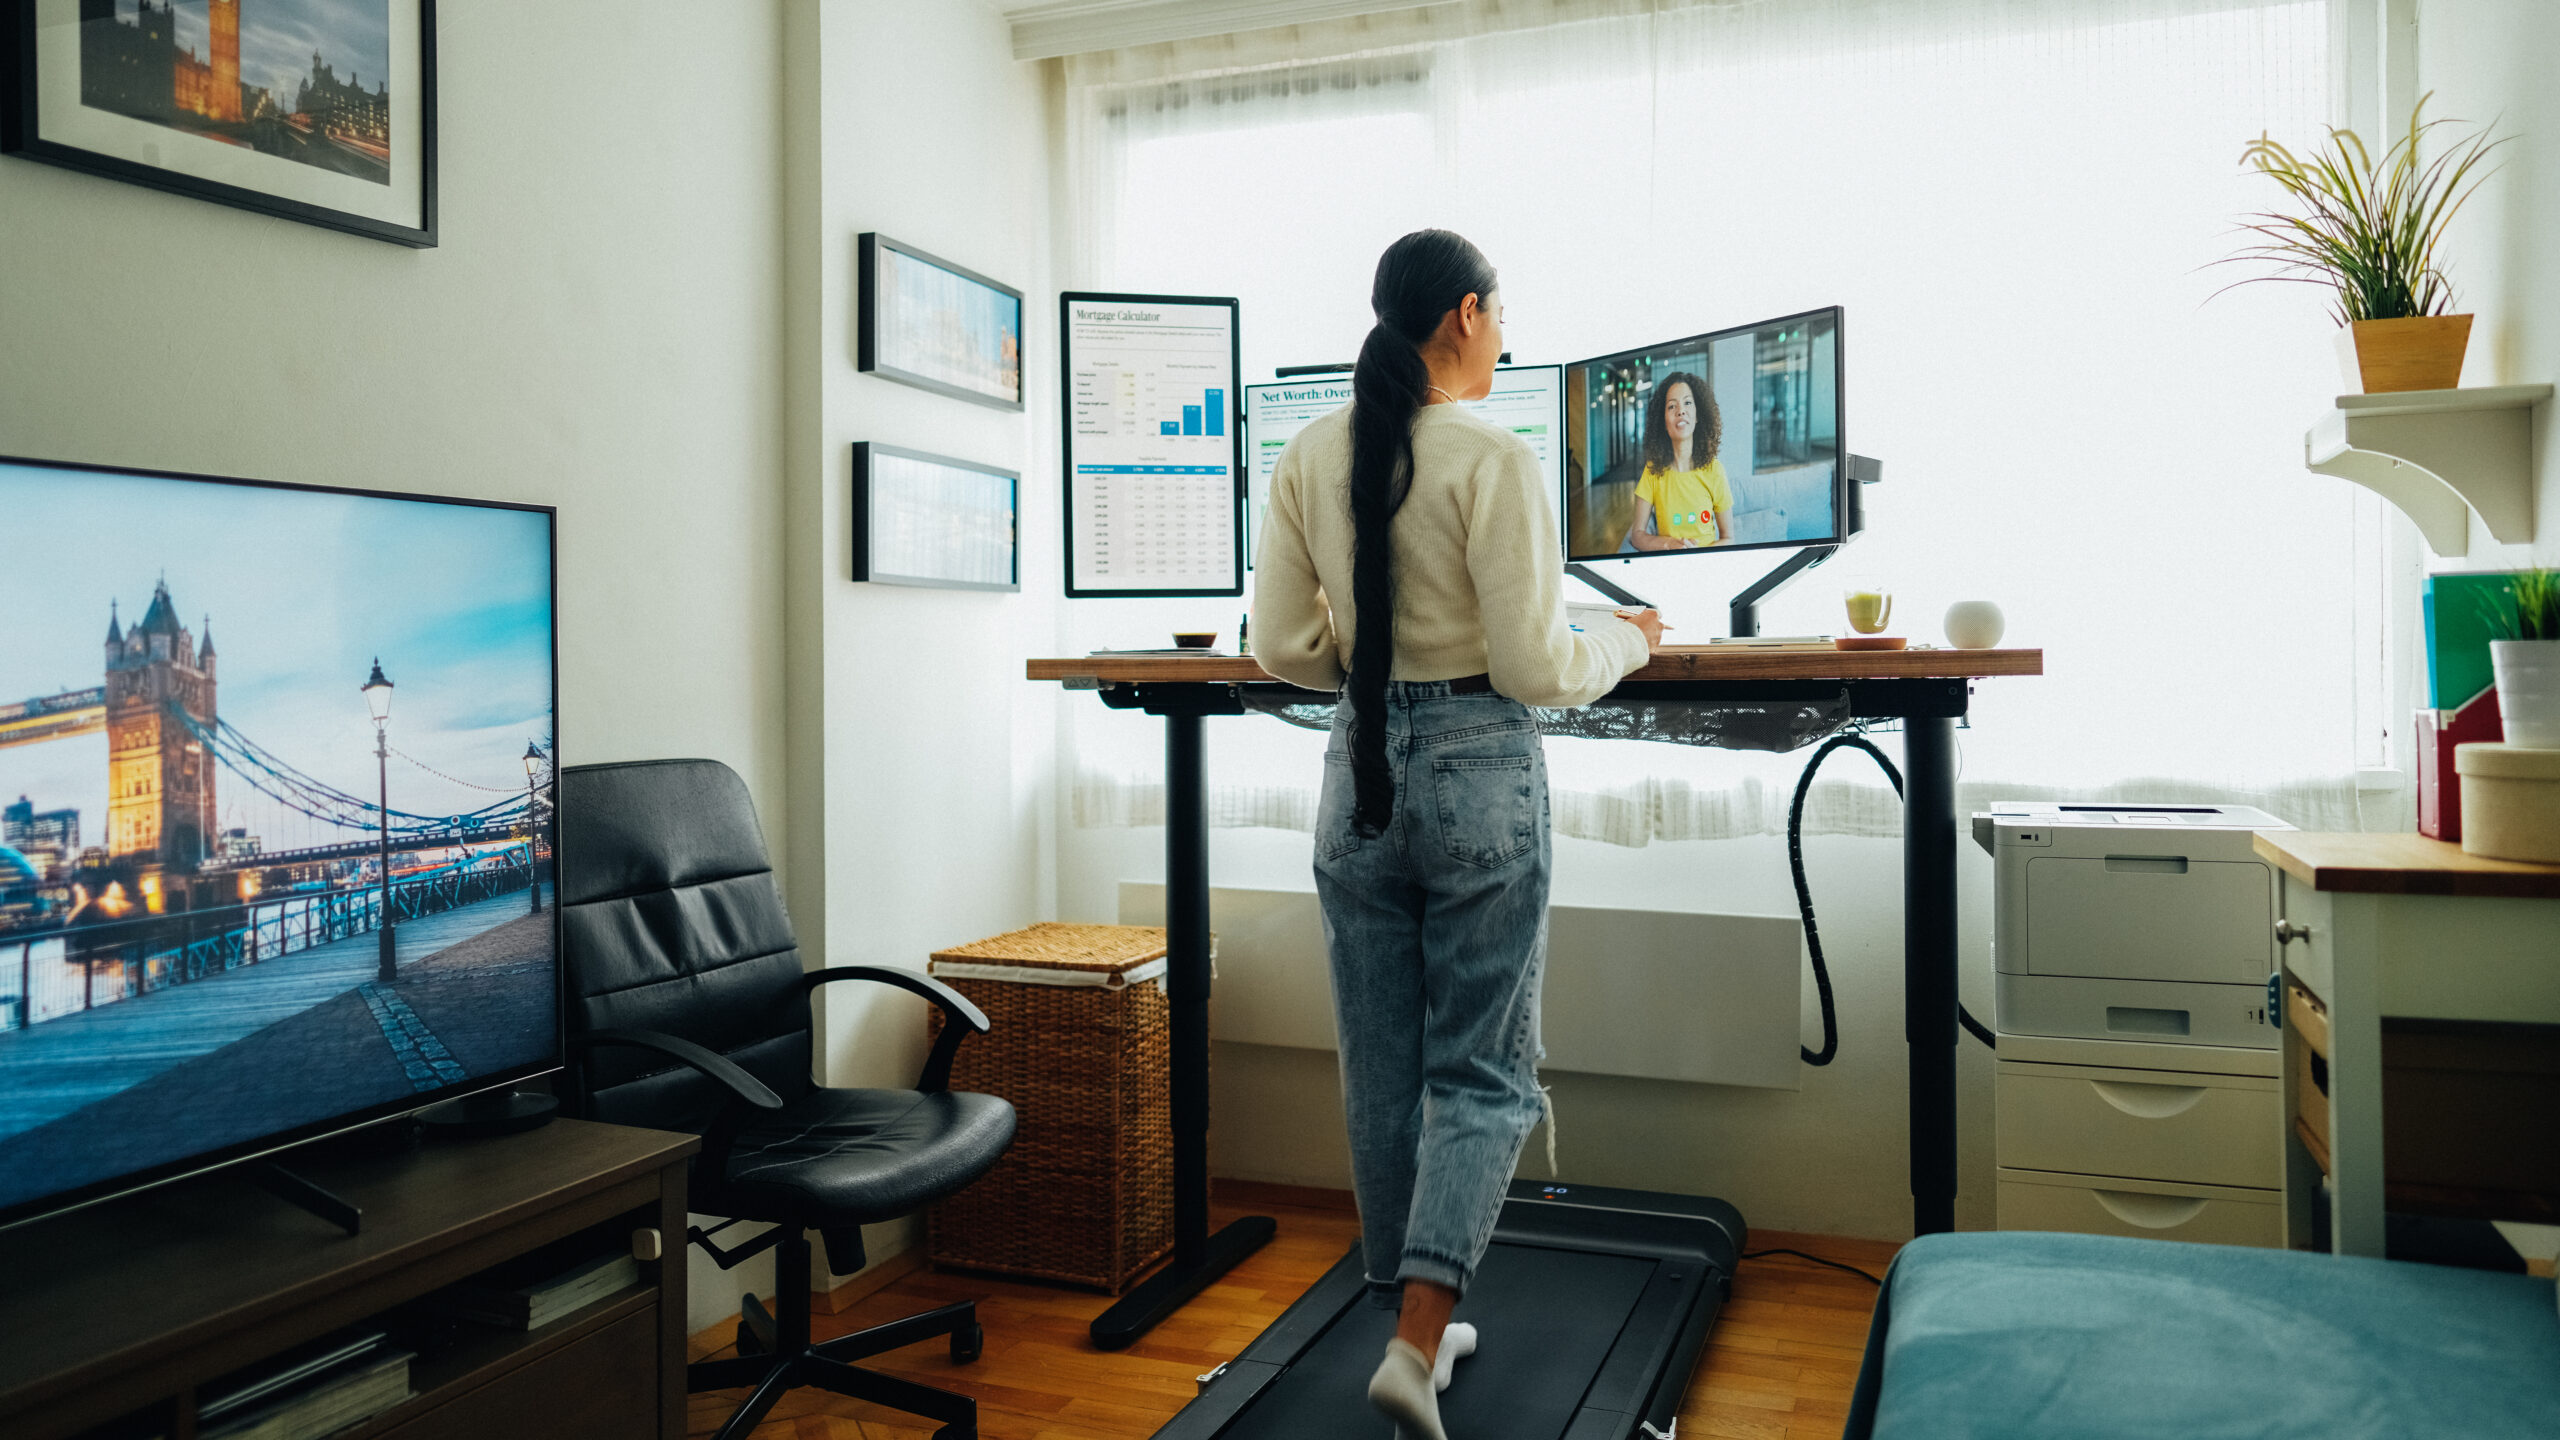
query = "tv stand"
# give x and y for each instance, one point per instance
(126, 1310)
(300, 1193)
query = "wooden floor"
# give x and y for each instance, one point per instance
(1779, 1365)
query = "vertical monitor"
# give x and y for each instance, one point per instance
(1527, 400)
(275, 817)
(1724, 441)
(1153, 450)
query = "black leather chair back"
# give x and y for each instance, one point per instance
(672, 922)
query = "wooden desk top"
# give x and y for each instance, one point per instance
(1682, 662)
(2362, 864)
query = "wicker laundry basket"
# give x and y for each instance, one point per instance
(1081, 1044)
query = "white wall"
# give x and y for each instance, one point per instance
(2490, 60)
(909, 712)
(643, 314)
(599, 331)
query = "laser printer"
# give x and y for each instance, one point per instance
(2131, 922)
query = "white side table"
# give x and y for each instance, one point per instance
(2405, 927)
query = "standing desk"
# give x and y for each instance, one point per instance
(1928, 690)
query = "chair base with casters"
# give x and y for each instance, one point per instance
(776, 1353)
(689, 1009)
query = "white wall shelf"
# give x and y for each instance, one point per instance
(2439, 455)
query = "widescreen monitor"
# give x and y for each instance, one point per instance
(224, 706)
(1724, 441)
(1527, 400)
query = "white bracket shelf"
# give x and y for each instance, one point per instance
(2439, 455)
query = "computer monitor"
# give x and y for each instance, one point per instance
(1527, 400)
(205, 843)
(1730, 440)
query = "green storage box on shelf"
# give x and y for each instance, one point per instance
(2463, 614)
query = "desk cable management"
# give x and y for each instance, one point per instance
(1804, 895)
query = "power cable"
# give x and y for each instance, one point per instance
(1816, 1259)
(1804, 898)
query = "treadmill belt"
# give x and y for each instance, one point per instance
(1547, 1318)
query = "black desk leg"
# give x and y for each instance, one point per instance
(1929, 965)
(1198, 1256)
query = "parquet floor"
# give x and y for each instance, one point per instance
(1779, 1366)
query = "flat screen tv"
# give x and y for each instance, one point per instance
(276, 832)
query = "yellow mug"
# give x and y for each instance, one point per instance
(1870, 609)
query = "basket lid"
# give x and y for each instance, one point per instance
(1103, 949)
(2506, 762)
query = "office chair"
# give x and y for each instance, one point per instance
(688, 1010)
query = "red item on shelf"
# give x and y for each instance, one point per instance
(2439, 788)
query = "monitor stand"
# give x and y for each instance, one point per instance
(1610, 588)
(1745, 612)
(1746, 606)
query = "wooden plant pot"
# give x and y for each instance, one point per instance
(2421, 353)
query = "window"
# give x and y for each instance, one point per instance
(2020, 207)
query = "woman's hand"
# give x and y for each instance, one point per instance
(1648, 621)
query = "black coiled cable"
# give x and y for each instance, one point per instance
(1804, 896)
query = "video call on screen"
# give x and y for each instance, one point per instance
(1724, 440)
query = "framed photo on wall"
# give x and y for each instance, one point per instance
(930, 520)
(321, 111)
(938, 326)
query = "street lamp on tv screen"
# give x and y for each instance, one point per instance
(245, 899)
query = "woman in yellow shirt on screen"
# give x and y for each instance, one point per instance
(1683, 502)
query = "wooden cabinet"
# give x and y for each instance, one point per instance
(123, 1309)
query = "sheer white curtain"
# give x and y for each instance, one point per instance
(2018, 204)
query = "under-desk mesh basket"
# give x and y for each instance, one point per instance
(1080, 1041)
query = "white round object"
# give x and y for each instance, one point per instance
(1975, 624)
(2528, 673)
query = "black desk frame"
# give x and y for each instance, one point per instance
(1928, 709)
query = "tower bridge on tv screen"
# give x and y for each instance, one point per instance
(166, 744)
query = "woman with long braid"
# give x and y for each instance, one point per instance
(1411, 562)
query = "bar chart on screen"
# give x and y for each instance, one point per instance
(1152, 504)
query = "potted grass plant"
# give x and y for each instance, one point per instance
(2527, 663)
(2368, 229)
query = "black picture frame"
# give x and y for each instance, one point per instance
(1233, 420)
(23, 95)
(873, 557)
(275, 1142)
(876, 352)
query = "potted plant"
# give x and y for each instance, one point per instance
(2528, 665)
(2367, 230)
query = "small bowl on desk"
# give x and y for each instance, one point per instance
(1869, 642)
(1194, 639)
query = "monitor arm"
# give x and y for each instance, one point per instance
(1745, 612)
(1615, 591)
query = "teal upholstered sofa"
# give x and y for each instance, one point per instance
(2086, 1337)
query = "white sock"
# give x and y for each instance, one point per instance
(1456, 1344)
(1402, 1392)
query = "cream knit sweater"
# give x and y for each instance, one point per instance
(1479, 573)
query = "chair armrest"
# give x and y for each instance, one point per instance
(708, 1063)
(960, 1018)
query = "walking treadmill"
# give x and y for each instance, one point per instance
(1592, 1305)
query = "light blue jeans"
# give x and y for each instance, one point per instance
(1437, 933)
